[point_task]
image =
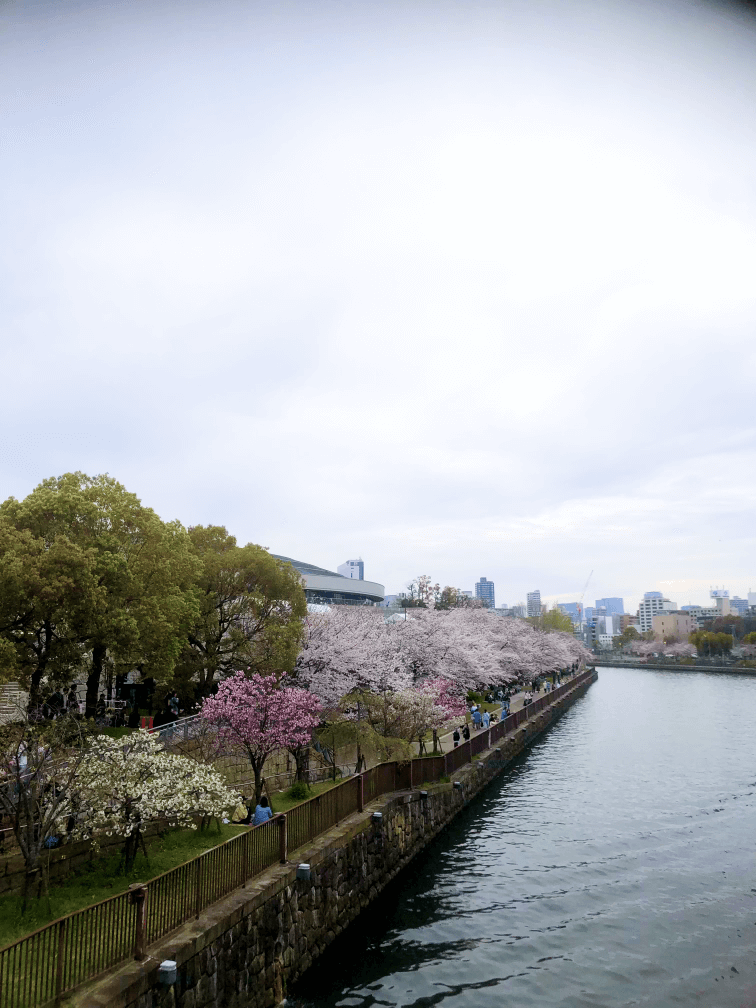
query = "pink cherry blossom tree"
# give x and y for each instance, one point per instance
(254, 716)
(349, 648)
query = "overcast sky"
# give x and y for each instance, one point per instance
(461, 288)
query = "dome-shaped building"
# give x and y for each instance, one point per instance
(326, 587)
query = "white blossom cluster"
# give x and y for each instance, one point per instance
(123, 784)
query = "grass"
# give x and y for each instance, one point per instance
(101, 880)
(280, 802)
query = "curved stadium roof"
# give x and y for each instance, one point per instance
(327, 586)
(305, 568)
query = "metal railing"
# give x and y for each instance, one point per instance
(44, 965)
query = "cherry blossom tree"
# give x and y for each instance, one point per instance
(254, 716)
(350, 648)
(123, 784)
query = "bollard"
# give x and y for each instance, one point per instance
(458, 785)
(167, 973)
(377, 817)
(423, 795)
(303, 872)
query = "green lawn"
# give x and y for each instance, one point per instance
(102, 879)
(280, 802)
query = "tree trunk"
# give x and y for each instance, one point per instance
(93, 679)
(257, 768)
(35, 693)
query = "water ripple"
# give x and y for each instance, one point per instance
(612, 865)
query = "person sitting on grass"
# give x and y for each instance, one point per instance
(263, 812)
(241, 812)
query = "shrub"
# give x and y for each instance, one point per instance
(299, 790)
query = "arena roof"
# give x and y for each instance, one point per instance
(305, 568)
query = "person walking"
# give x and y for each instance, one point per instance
(477, 719)
(486, 719)
(456, 737)
(466, 733)
(263, 812)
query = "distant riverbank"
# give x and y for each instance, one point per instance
(671, 666)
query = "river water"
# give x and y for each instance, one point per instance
(613, 864)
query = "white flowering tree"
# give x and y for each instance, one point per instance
(124, 784)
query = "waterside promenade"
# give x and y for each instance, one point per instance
(242, 951)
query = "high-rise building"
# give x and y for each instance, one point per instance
(484, 590)
(739, 606)
(652, 603)
(573, 609)
(534, 603)
(612, 605)
(352, 569)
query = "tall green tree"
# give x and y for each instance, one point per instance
(143, 572)
(46, 592)
(251, 613)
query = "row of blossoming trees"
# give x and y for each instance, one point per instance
(379, 686)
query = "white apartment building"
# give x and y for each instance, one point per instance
(652, 603)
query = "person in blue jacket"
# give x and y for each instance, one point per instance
(263, 812)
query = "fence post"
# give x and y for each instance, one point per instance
(61, 959)
(198, 889)
(361, 793)
(282, 839)
(139, 900)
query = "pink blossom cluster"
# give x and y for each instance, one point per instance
(254, 714)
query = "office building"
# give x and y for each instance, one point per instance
(573, 609)
(721, 599)
(652, 603)
(612, 605)
(484, 590)
(673, 624)
(352, 569)
(739, 606)
(534, 603)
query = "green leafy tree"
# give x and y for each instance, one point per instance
(143, 571)
(45, 592)
(628, 635)
(711, 643)
(552, 619)
(251, 613)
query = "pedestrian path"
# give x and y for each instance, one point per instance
(516, 702)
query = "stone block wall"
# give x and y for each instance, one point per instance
(246, 949)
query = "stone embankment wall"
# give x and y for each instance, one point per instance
(245, 949)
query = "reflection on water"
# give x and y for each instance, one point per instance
(612, 865)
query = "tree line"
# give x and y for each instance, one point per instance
(94, 583)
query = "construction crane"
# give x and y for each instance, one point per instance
(585, 589)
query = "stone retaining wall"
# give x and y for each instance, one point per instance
(245, 949)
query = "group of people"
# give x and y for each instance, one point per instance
(482, 719)
(244, 816)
